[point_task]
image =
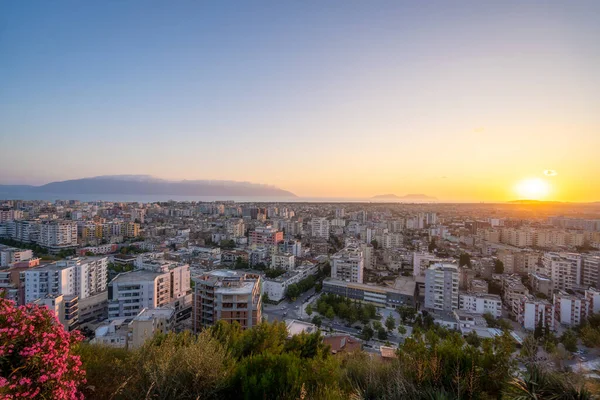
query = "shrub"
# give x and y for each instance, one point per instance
(36, 358)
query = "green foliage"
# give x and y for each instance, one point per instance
(590, 336)
(401, 330)
(498, 266)
(537, 383)
(382, 333)
(464, 260)
(227, 244)
(432, 245)
(407, 313)
(240, 263)
(569, 340)
(344, 308)
(473, 339)
(317, 321)
(375, 244)
(295, 290)
(367, 333)
(118, 268)
(309, 310)
(390, 323)
(274, 272)
(38, 250)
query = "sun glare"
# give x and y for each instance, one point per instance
(532, 189)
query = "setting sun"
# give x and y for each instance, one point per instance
(533, 189)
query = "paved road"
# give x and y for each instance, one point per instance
(287, 309)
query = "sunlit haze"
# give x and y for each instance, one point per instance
(466, 101)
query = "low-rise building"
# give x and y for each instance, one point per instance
(382, 296)
(481, 303)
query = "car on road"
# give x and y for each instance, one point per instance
(283, 307)
(285, 314)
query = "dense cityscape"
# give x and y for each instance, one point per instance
(366, 275)
(299, 200)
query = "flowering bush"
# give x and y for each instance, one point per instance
(35, 355)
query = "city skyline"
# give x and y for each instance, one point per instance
(465, 103)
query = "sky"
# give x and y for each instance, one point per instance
(464, 100)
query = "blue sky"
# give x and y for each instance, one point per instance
(335, 98)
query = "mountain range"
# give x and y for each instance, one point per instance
(148, 185)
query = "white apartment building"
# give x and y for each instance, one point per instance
(320, 228)
(235, 227)
(480, 303)
(82, 277)
(11, 255)
(563, 268)
(590, 274)
(291, 246)
(569, 310)
(158, 284)
(422, 261)
(283, 261)
(592, 298)
(57, 234)
(276, 288)
(348, 265)
(531, 310)
(441, 287)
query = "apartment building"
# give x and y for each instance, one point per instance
(235, 227)
(320, 228)
(58, 234)
(283, 261)
(10, 255)
(65, 308)
(480, 303)
(229, 296)
(10, 215)
(276, 288)
(541, 283)
(441, 287)
(563, 268)
(348, 265)
(158, 284)
(82, 277)
(422, 261)
(265, 236)
(291, 246)
(590, 271)
(531, 310)
(569, 309)
(592, 298)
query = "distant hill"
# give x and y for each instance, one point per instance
(147, 185)
(411, 197)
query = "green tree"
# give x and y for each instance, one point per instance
(473, 339)
(401, 330)
(382, 333)
(375, 244)
(498, 266)
(367, 333)
(330, 314)
(390, 323)
(317, 321)
(407, 313)
(529, 349)
(432, 245)
(539, 329)
(464, 260)
(569, 340)
(293, 291)
(309, 310)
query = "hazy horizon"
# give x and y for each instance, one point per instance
(466, 102)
